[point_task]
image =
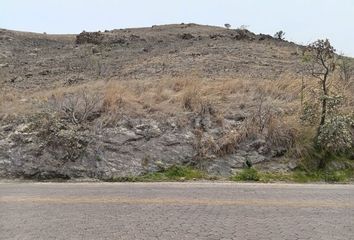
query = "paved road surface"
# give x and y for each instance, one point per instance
(176, 211)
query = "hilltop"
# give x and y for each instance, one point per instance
(41, 61)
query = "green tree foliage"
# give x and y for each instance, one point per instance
(280, 35)
(324, 108)
(320, 57)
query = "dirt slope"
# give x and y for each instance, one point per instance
(38, 61)
(126, 102)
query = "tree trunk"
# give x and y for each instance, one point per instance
(324, 102)
(323, 161)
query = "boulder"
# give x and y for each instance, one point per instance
(186, 36)
(89, 37)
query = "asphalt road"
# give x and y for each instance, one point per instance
(175, 211)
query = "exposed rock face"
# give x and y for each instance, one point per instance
(135, 146)
(108, 38)
(67, 152)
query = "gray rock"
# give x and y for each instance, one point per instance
(278, 152)
(336, 165)
(134, 147)
(148, 130)
(236, 161)
(235, 117)
(44, 72)
(292, 165)
(6, 128)
(254, 157)
(16, 79)
(220, 169)
(95, 50)
(258, 143)
(29, 75)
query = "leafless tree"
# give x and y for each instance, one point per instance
(244, 27)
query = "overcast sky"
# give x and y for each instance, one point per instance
(302, 20)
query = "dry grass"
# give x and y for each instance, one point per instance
(282, 133)
(272, 108)
(176, 95)
(13, 103)
(229, 142)
(168, 95)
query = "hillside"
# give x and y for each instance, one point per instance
(126, 102)
(46, 61)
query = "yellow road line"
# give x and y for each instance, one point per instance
(177, 201)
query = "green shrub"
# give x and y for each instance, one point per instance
(337, 176)
(335, 134)
(175, 173)
(323, 176)
(249, 174)
(267, 177)
(299, 176)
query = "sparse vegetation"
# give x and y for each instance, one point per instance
(227, 25)
(321, 58)
(298, 176)
(346, 70)
(174, 173)
(202, 97)
(247, 174)
(280, 35)
(324, 109)
(76, 107)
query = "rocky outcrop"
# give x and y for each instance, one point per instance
(89, 37)
(66, 151)
(58, 149)
(108, 38)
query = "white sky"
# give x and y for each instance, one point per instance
(303, 20)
